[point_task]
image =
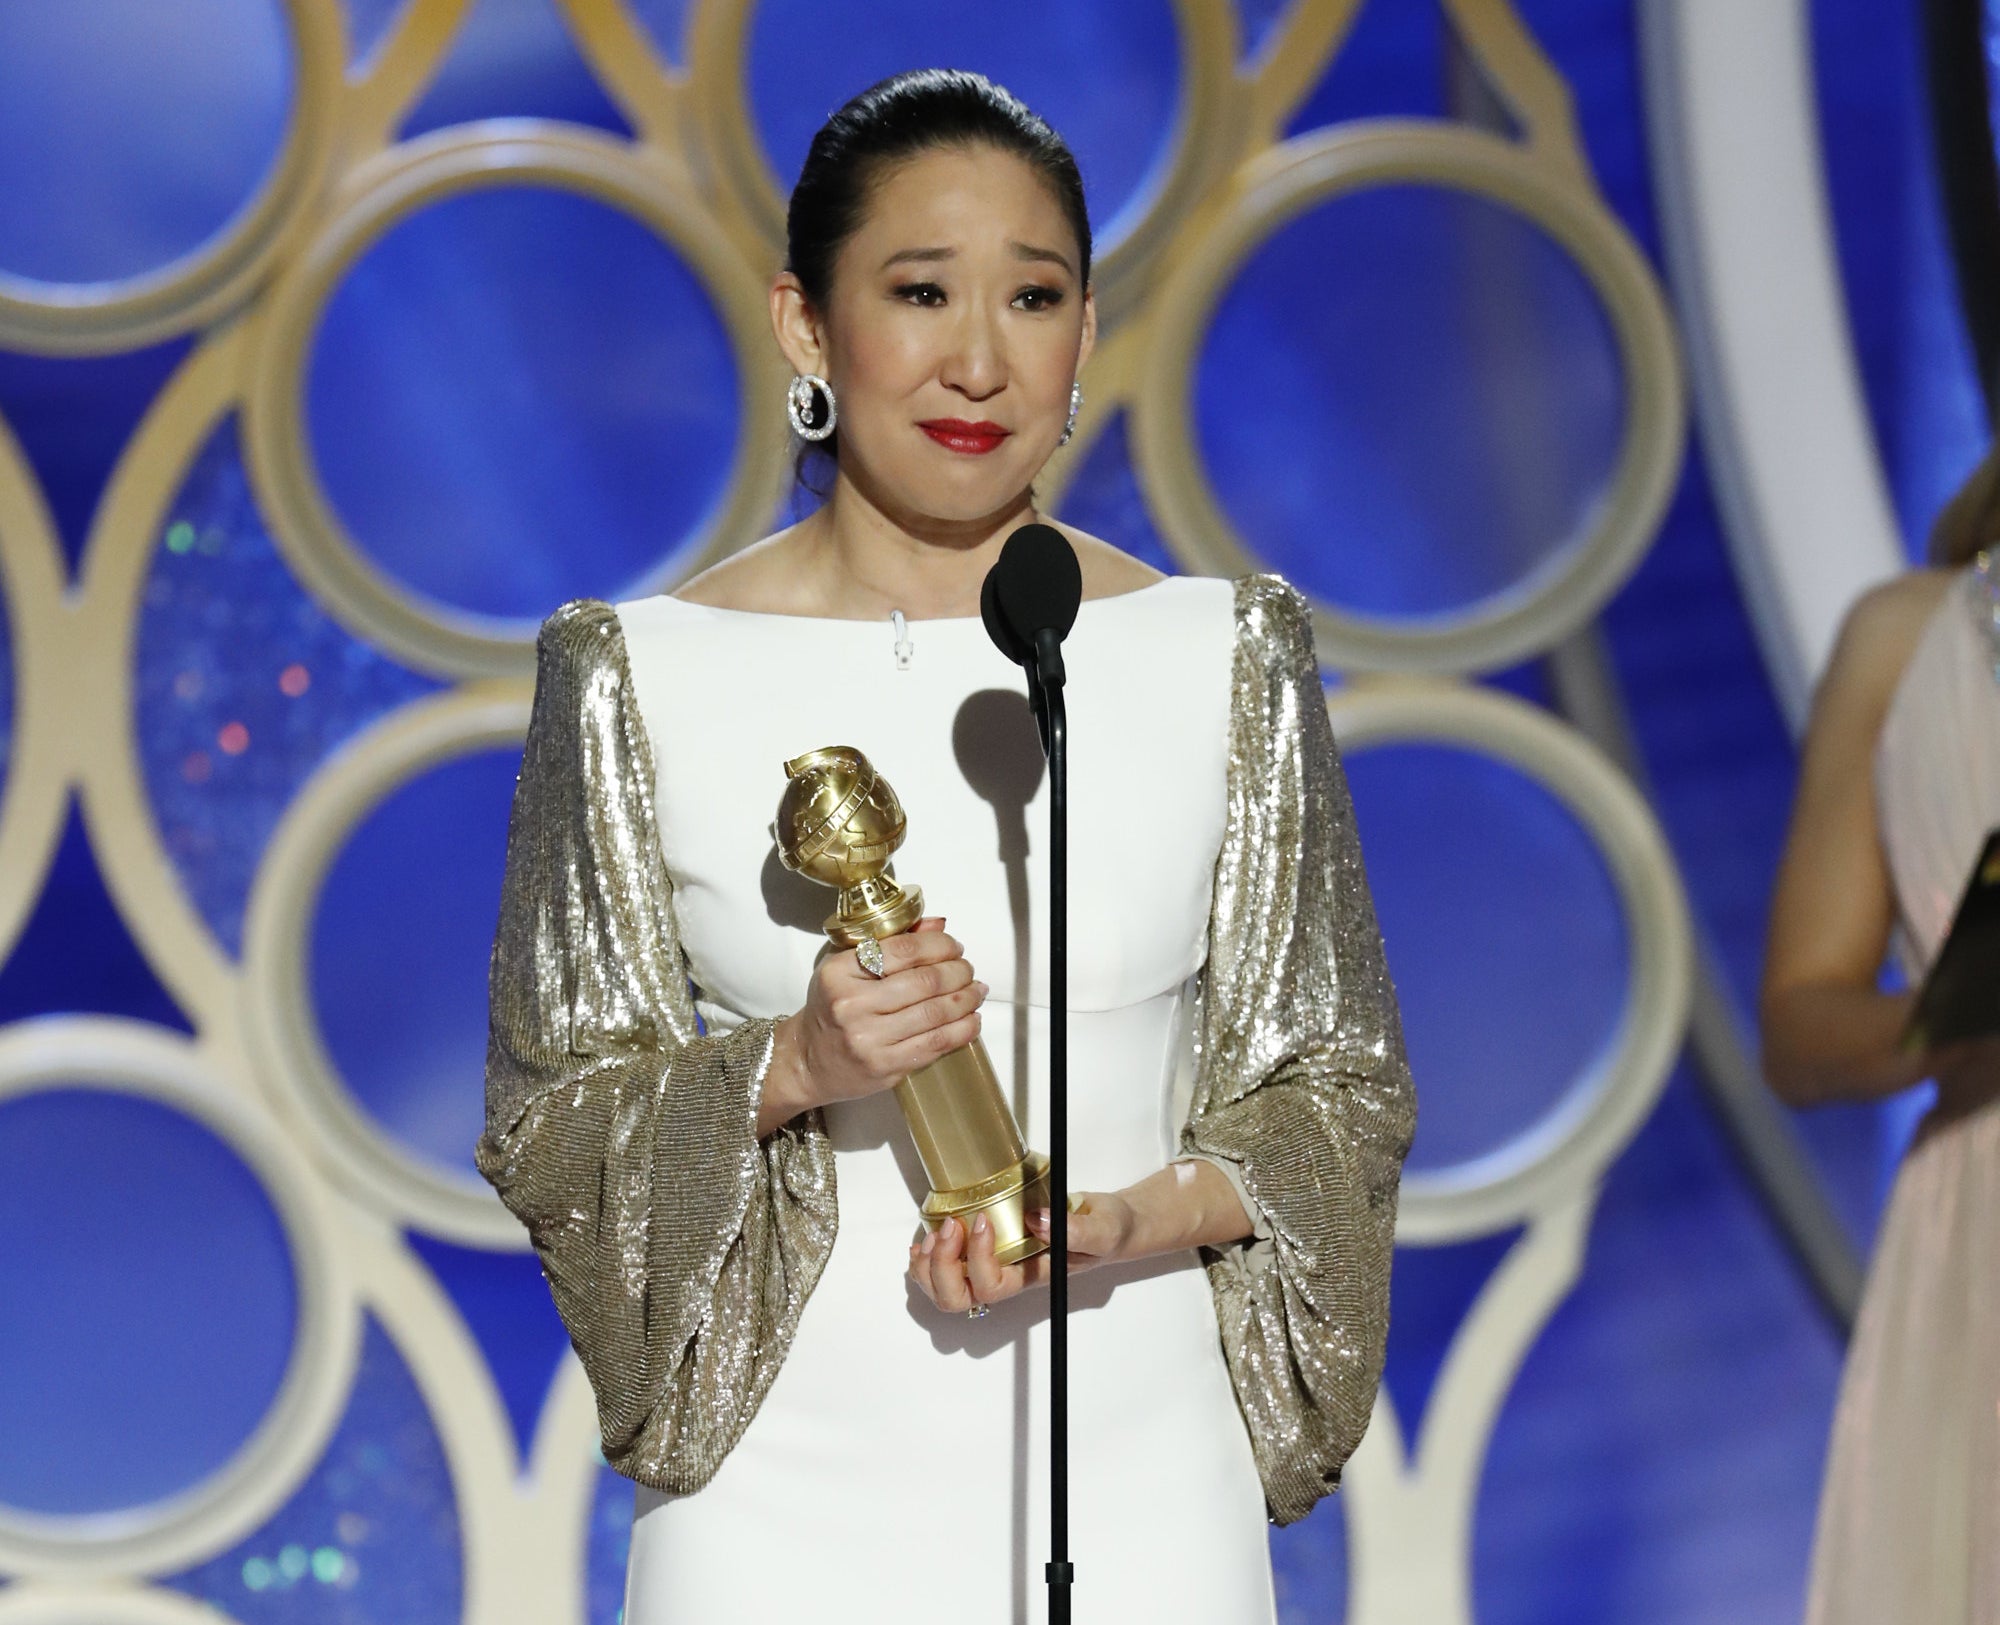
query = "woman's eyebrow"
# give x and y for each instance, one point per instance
(904, 255)
(1029, 251)
(1022, 251)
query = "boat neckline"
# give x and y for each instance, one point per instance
(880, 620)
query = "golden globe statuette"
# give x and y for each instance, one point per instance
(839, 823)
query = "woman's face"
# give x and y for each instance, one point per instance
(956, 324)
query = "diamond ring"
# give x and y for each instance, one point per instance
(976, 1312)
(868, 953)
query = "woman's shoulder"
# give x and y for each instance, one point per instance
(582, 630)
(1872, 651)
(1882, 628)
(588, 642)
(588, 634)
(1898, 607)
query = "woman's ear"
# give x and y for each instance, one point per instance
(796, 325)
(1089, 327)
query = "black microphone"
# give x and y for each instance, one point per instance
(1030, 598)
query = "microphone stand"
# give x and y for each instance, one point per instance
(1029, 602)
(1046, 678)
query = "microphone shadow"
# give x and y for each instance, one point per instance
(998, 750)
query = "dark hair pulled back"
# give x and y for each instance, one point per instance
(895, 119)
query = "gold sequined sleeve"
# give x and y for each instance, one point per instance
(680, 1249)
(1300, 1085)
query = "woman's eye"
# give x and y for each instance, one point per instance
(921, 292)
(1045, 298)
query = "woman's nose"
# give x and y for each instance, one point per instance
(975, 361)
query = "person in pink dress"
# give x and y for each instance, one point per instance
(1898, 787)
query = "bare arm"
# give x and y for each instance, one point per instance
(1828, 1033)
(1185, 1204)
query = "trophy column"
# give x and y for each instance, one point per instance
(839, 823)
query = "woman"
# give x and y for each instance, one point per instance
(818, 1428)
(1899, 784)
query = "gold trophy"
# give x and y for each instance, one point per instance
(839, 823)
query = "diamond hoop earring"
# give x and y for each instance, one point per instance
(1075, 406)
(799, 406)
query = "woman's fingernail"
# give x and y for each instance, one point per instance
(980, 1226)
(930, 1240)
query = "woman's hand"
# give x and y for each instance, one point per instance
(859, 1034)
(956, 1270)
(1188, 1203)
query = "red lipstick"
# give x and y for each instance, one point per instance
(959, 435)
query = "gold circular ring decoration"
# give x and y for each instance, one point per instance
(1209, 130)
(96, 318)
(494, 154)
(1278, 186)
(633, 64)
(103, 1602)
(1568, 1148)
(281, 1023)
(111, 1055)
(34, 791)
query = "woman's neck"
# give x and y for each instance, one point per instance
(864, 559)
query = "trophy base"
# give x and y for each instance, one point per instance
(1006, 1199)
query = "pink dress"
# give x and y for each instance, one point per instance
(1909, 1516)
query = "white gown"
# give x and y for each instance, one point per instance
(898, 1465)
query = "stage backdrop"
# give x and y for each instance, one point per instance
(340, 342)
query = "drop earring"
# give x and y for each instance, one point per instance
(1075, 406)
(799, 406)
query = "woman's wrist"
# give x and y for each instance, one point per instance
(787, 1082)
(1185, 1204)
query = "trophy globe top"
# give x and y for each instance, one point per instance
(839, 822)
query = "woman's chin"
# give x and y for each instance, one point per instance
(962, 498)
